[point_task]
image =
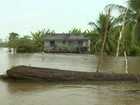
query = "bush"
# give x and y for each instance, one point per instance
(134, 51)
(24, 49)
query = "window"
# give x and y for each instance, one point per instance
(52, 43)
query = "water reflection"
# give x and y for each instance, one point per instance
(59, 61)
(73, 93)
(23, 87)
(4, 99)
(134, 65)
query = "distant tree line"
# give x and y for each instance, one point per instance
(26, 43)
(32, 43)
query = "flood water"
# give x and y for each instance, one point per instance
(83, 93)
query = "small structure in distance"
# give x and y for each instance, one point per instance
(65, 43)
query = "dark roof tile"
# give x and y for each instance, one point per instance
(64, 37)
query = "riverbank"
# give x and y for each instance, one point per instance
(28, 73)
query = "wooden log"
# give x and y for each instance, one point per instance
(48, 74)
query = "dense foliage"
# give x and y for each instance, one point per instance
(3, 43)
(27, 44)
(131, 36)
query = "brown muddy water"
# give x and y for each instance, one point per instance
(83, 93)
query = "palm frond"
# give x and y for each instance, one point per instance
(117, 7)
(134, 5)
(94, 25)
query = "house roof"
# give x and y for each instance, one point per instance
(64, 37)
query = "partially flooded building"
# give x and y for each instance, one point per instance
(64, 43)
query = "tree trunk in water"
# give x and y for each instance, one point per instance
(104, 42)
(126, 62)
(14, 50)
(28, 73)
(117, 52)
(118, 46)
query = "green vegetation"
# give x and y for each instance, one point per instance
(131, 36)
(36, 38)
(13, 40)
(26, 43)
(75, 31)
(3, 43)
(99, 30)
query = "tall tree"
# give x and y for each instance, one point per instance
(131, 29)
(0, 42)
(99, 29)
(13, 40)
(104, 39)
(106, 30)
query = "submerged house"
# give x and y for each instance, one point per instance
(66, 43)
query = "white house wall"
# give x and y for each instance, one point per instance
(61, 45)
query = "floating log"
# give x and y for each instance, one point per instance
(48, 74)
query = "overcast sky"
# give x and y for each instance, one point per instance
(23, 16)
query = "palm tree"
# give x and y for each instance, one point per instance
(99, 30)
(75, 31)
(37, 37)
(131, 23)
(105, 27)
(95, 39)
